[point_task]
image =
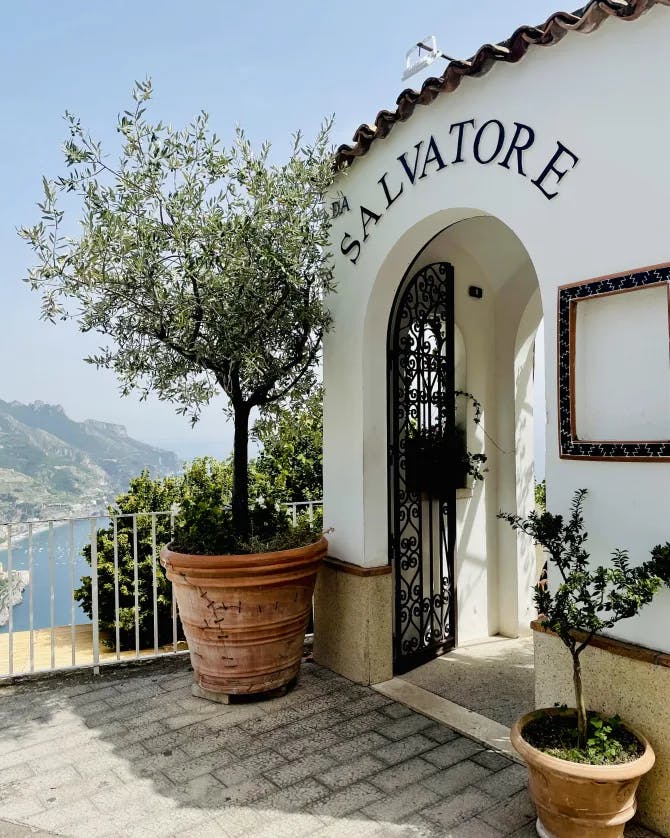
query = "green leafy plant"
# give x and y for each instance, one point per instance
(204, 267)
(204, 524)
(437, 453)
(586, 598)
(608, 740)
(289, 467)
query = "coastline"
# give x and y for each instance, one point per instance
(11, 591)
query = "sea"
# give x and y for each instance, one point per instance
(39, 582)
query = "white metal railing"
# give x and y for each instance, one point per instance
(49, 631)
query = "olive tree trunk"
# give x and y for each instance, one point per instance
(240, 499)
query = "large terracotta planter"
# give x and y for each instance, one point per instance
(244, 616)
(575, 800)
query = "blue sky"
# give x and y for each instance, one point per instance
(271, 67)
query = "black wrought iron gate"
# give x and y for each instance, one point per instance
(422, 497)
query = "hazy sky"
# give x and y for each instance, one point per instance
(272, 67)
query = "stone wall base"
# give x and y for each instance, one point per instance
(352, 621)
(621, 679)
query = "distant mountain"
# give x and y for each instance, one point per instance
(51, 465)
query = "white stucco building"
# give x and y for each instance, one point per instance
(527, 183)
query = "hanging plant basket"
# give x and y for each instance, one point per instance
(436, 463)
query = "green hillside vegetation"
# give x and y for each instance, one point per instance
(52, 466)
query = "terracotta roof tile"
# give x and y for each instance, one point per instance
(584, 20)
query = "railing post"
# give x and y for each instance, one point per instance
(94, 596)
(117, 627)
(154, 580)
(52, 595)
(10, 638)
(31, 597)
(73, 627)
(172, 594)
(136, 588)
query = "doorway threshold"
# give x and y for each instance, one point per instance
(488, 732)
(478, 689)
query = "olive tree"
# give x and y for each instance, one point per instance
(584, 597)
(204, 268)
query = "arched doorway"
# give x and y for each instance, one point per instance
(458, 574)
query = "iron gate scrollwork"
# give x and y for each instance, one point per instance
(422, 493)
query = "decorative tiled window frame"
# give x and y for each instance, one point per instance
(570, 446)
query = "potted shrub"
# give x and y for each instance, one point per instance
(205, 269)
(584, 769)
(437, 456)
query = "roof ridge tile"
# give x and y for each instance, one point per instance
(584, 20)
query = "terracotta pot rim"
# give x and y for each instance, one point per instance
(599, 773)
(236, 560)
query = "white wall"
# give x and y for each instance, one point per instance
(588, 230)
(622, 366)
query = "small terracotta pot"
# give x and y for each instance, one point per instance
(573, 799)
(245, 616)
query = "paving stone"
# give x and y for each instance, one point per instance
(179, 770)
(529, 831)
(356, 747)
(453, 752)
(131, 736)
(505, 783)
(209, 828)
(361, 724)
(16, 830)
(21, 808)
(492, 760)
(350, 772)
(395, 808)
(235, 715)
(296, 748)
(401, 728)
(71, 792)
(307, 766)
(182, 719)
(396, 711)
(363, 705)
(636, 830)
(201, 740)
(14, 773)
(44, 783)
(248, 791)
(270, 721)
(348, 828)
(247, 769)
(439, 733)
(341, 803)
(239, 821)
(296, 796)
(291, 825)
(113, 801)
(511, 813)
(449, 781)
(461, 807)
(476, 828)
(80, 700)
(404, 774)
(404, 749)
(59, 818)
(204, 791)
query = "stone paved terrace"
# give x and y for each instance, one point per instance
(132, 753)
